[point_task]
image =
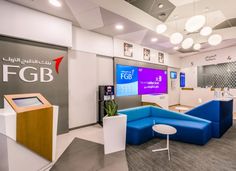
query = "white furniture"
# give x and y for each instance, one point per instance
(114, 132)
(181, 108)
(166, 130)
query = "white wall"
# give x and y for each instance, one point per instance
(87, 41)
(173, 88)
(217, 56)
(138, 54)
(82, 88)
(189, 67)
(86, 72)
(21, 22)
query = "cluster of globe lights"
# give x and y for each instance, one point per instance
(193, 24)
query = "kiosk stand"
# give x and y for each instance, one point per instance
(30, 120)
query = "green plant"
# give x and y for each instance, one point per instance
(111, 108)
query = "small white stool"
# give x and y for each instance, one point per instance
(166, 130)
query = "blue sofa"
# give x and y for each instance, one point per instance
(141, 119)
(220, 113)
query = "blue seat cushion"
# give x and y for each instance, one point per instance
(136, 113)
(197, 132)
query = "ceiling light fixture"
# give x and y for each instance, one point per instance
(176, 48)
(161, 28)
(197, 46)
(187, 43)
(206, 31)
(215, 39)
(55, 3)
(195, 23)
(176, 38)
(119, 27)
(154, 39)
(160, 5)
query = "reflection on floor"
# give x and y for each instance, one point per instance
(92, 133)
(89, 156)
(217, 154)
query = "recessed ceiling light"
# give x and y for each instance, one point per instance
(176, 38)
(160, 5)
(176, 48)
(119, 27)
(154, 39)
(197, 46)
(161, 28)
(206, 31)
(215, 39)
(187, 43)
(55, 3)
(195, 23)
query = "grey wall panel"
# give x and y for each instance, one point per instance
(27, 60)
(217, 76)
(128, 101)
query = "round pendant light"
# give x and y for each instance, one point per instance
(195, 23)
(206, 31)
(197, 46)
(176, 38)
(161, 28)
(215, 39)
(187, 43)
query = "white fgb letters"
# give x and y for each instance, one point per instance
(43, 73)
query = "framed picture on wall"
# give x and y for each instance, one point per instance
(161, 57)
(146, 54)
(128, 50)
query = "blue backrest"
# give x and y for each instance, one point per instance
(163, 113)
(209, 110)
(136, 113)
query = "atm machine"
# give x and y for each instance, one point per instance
(106, 92)
(31, 121)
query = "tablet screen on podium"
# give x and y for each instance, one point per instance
(27, 102)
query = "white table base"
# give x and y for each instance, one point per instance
(165, 149)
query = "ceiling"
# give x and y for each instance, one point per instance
(139, 22)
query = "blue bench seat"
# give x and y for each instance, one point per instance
(189, 129)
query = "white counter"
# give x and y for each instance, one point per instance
(201, 95)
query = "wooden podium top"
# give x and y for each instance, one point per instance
(13, 98)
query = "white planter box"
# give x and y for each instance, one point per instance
(114, 131)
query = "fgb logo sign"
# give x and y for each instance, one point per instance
(127, 75)
(29, 73)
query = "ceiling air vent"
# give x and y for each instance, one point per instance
(160, 9)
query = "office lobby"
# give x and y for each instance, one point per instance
(117, 85)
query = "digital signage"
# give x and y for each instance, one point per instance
(173, 74)
(152, 81)
(182, 79)
(131, 80)
(126, 80)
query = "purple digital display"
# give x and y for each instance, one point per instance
(152, 81)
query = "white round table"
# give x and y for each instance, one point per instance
(181, 108)
(166, 130)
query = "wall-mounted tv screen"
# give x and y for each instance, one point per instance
(131, 80)
(182, 79)
(173, 74)
(27, 102)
